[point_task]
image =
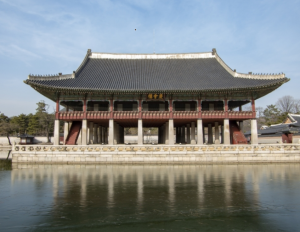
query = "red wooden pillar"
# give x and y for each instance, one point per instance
(84, 109)
(111, 108)
(171, 109)
(57, 109)
(253, 108)
(140, 108)
(199, 109)
(226, 108)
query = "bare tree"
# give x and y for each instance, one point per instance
(6, 127)
(297, 106)
(286, 104)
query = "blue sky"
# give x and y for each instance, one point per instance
(48, 37)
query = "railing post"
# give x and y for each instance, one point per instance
(226, 108)
(170, 109)
(199, 109)
(57, 109)
(84, 109)
(253, 108)
(111, 108)
(140, 109)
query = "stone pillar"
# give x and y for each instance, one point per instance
(222, 134)
(163, 133)
(100, 135)
(199, 132)
(105, 135)
(217, 133)
(167, 133)
(56, 124)
(56, 132)
(95, 136)
(66, 131)
(84, 132)
(116, 133)
(171, 132)
(188, 133)
(140, 132)
(226, 134)
(254, 136)
(79, 138)
(160, 131)
(183, 134)
(121, 136)
(193, 141)
(210, 134)
(91, 133)
(111, 132)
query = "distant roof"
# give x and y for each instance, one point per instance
(25, 136)
(155, 72)
(281, 128)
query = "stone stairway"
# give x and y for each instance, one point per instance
(74, 133)
(237, 136)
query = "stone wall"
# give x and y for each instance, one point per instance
(14, 139)
(156, 154)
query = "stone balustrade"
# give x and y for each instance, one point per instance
(156, 153)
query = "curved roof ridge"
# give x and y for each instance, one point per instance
(291, 116)
(88, 53)
(249, 75)
(51, 77)
(99, 55)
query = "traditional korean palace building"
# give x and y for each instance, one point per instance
(180, 94)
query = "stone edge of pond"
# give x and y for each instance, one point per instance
(156, 154)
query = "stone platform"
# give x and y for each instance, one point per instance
(158, 154)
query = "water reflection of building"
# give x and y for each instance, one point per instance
(191, 94)
(113, 184)
(233, 196)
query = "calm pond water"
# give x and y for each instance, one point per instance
(150, 198)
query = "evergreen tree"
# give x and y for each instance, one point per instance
(33, 124)
(21, 123)
(46, 120)
(272, 115)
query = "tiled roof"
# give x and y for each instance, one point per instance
(278, 129)
(156, 74)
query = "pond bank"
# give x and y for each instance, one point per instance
(158, 154)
